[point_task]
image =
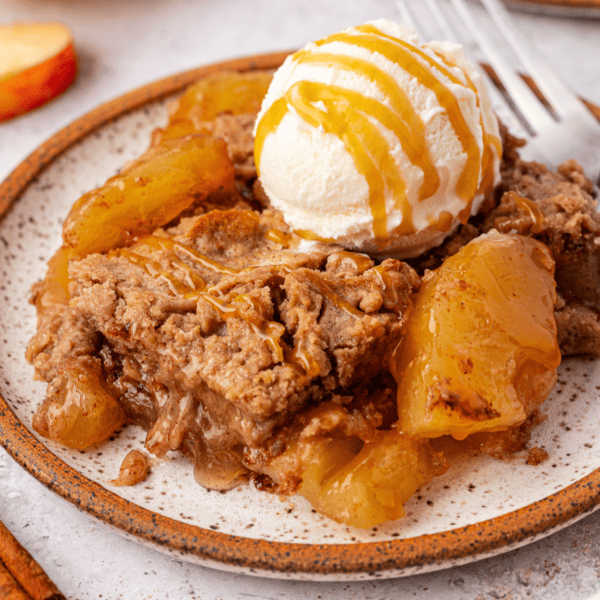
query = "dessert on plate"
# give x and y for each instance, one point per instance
(422, 112)
(312, 280)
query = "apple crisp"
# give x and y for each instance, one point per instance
(267, 357)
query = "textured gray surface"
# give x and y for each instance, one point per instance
(88, 560)
(124, 44)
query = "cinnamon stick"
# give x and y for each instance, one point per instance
(24, 570)
(9, 588)
(595, 109)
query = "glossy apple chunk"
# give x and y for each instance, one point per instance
(54, 289)
(368, 485)
(37, 63)
(148, 193)
(480, 349)
(350, 471)
(78, 410)
(225, 92)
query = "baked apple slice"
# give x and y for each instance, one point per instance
(365, 485)
(480, 350)
(54, 289)
(37, 63)
(224, 92)
(348, 471)
(79, 410)
(149, 192)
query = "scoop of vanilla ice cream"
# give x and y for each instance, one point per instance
(377, 142)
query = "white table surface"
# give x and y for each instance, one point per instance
(123, 44)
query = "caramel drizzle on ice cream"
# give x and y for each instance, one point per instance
(491, 142)
(333, 108)
(403, 120)
(405, 54)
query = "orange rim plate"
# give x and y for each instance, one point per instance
(276, 538)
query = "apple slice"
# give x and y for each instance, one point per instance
(37, 62)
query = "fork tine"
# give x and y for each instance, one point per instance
(559, 126)
(516, 103)
(407, 16)
(419, 20)
(429, 21)
(441, 21)
(561, 100)
(527, 103)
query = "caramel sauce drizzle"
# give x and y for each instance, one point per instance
(157, 242)
(490, 141)
(376, 164)
(306, 234)
(334, 298)
(534, 212)
(403, 53)
(194, 287)
(189, 289)
(192, 284)
(403, 120)
(391, 299)
(444, 221)
(300, 358)
(339, 106)
(269, 331)
(279, 237)
(362, 262)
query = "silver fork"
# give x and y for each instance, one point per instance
(558, 127)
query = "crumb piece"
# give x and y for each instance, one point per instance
(134, 469)
(536, 455)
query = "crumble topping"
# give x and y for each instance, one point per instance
(227, 337)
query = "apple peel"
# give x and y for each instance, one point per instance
(38, 63)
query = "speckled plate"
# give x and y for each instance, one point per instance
(479, 508)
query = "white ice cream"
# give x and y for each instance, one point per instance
(377, 142)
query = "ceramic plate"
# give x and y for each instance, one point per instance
(561, 8)
(479, 508)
